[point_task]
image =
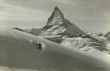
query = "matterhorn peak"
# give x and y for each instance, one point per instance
(57, 22)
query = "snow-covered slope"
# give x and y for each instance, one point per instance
(84, 45)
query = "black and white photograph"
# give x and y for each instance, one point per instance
(54, 35)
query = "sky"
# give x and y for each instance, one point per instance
(89, 15)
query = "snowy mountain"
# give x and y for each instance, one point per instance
(58, 25)
(60, 30)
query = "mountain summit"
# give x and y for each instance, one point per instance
(56, 18)
(57, 24)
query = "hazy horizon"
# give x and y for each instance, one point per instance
(89, 15)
